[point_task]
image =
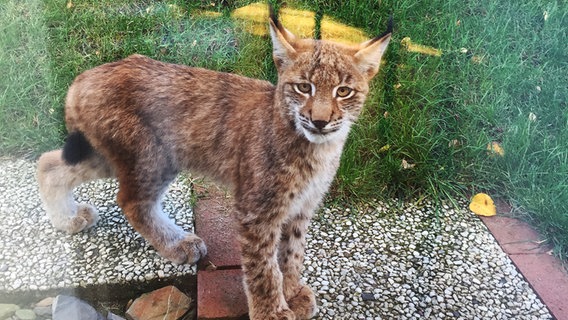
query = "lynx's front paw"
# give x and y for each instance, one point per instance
(304, 303)
(282, 315)
(187, 250)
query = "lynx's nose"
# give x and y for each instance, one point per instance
(320, 124)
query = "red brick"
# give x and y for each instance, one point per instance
(515, 236)
(543, 271)
(215, 224)
(220, 295)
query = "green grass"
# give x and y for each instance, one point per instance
(502, 77)
(28, 119)
(522, 70)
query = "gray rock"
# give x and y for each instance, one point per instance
(25, 314)
(69, 308)
(43, 311)
(7, 310)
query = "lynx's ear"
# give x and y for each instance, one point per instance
(370, 53)
(282, 41)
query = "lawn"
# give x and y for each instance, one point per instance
(501, 77)
(29, 119)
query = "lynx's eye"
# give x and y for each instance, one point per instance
(343, 92)
(303, 88)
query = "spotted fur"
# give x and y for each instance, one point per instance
(277, 148)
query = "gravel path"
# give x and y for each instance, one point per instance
(398, 261)
(33, 255)
(377, 261)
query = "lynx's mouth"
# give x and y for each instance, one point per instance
(314, 130)
(320, 133)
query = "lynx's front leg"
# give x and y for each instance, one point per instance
(299, 296)
(141, 205)
(259, 237)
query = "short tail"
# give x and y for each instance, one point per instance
(77, 148)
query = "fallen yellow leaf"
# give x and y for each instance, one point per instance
(494, 148)
(69, 5)
(384, 148)
(482, 204)
(477, 59)
(454, 143)
(405, 165)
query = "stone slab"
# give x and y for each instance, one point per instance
(220, 295)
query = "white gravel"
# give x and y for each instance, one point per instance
(409, 261)
(34, 255)
(377, 261)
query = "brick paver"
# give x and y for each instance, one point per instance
(220, 295)
(220, 292)
(525, 247)
(215, 224)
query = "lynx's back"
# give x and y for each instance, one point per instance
(138, 102)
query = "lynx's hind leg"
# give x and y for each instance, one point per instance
(57, 179)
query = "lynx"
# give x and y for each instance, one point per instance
(276, 147)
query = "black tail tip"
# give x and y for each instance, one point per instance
(77, 148)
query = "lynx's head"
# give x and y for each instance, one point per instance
(324, 84)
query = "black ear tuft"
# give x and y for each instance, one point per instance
(77, 148)
(389, 25)
(389, 29)
(273, 13)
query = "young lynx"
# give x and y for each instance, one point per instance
(276, 147)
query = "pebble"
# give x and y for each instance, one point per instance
(366, 296)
